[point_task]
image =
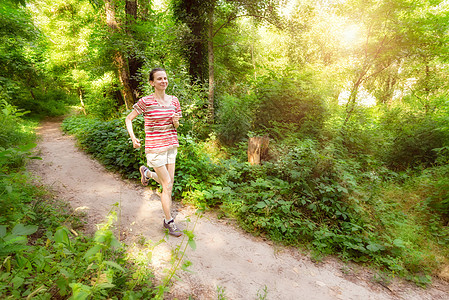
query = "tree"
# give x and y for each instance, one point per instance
(18, 60)
(118, 56)
(209, 20)
(395, 32)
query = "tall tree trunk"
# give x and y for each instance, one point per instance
(80, 92)
(134, 63)
(119, 59)
(210, 46)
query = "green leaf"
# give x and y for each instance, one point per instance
(114, 265)
(2, 231)
(374, 247)
(399, 243)
(80, 291)
(17, 281)
(261, 204)
(92, 251)
(62, 236)
(8, 189)
(21, 229)
(192, 244)
(105, 285)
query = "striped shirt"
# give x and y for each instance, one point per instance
(160, 133)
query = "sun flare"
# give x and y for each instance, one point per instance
(351, 34)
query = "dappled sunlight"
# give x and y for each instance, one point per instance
(364, 98)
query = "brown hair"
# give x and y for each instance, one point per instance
(154, 71)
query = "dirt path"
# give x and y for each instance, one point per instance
(226, 259)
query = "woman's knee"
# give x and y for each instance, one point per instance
(167, 186)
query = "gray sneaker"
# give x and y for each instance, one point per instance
(172, 229)
(144, 179)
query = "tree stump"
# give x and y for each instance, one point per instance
(257, 149)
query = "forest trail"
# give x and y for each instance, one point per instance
(227, 261)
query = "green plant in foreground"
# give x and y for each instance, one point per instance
(221, 293)
(178, 255)
(61, 264)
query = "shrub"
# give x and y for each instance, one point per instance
(50, 102)
(287, 101)
(234, 118)
(438, 198)
(109, 142)
(414, 138)
(100, 96)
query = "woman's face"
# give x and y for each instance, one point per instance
(160, 81)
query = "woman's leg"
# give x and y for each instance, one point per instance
(165, 179)
(152, 175)
(171, 171)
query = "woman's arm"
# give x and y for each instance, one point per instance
(175, 120)
(129, 126)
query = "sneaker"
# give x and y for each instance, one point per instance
(144, 179)
(172, 229)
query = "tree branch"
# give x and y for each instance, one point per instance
(245, 15)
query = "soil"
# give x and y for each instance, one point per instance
(227, 262)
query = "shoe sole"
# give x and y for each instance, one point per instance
(142, 176)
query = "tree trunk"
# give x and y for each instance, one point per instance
(119, 59)
(134, 63)
(210, 46)
(80, 92)
(257, 149)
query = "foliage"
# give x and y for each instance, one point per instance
(59, 264)
(288, 104)
(366, 183)
(234, 117)
(193, 100)
(438, 192)
(42, 253)
(323, 196)
(109, 142)
(415, 138)
(25, 82)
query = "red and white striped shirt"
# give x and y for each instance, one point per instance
(160, 133)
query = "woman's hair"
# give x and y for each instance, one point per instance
(154, 71)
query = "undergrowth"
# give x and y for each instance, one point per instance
(43, 251)
(312, 195)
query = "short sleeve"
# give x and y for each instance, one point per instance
(140, 106)
(177, 106)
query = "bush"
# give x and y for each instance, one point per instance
(287, 101)
(413, 140)
(233, 118)
(100, 98)
(49, 102)
(438, 198)
(109, 142)
(316, 193)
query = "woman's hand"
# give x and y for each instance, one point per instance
(136, 143)
(176, 117)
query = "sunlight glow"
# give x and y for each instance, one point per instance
(364, 98)
(351, 35)
(287, 7)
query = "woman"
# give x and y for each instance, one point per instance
(161, 113)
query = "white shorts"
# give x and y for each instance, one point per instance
(163, 158)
